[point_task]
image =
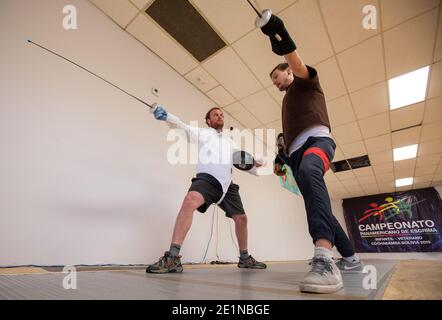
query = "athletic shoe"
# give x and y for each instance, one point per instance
(324, 277)
(251, 263)
(350, 267)
(166, 264)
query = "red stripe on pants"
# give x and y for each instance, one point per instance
(321, 154)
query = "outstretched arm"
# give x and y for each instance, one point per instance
(283, 45)
(174, 122)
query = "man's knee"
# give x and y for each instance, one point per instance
(193, 200)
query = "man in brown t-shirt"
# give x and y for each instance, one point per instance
(308, 143)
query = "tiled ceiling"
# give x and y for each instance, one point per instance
(354, 67)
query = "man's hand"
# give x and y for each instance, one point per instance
(275, 27)
(277, 169)
(259, 162)
(159, 113)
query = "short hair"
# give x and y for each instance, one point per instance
(281, 67)
(210, 111)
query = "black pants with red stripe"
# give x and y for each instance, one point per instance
(309, 164)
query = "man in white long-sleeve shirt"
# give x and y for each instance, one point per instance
(212, 184)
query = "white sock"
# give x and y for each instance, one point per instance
(354, 258)
(320, 251)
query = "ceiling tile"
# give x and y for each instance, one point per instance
(437, 178)
(408, 173)
(385, 178)
(201, 79)
(330, 78)
(240, 113)
(345, 175)
(428, 160)
(406, 137)
(220, 96)
(412, 37)
(422, 179)
(431, 131)
(381, 157)
(140, 3)
(227, 63)
(370, 101)
(347, 133)
(343, 19)
(277, 125)
(350, 183)
(330, 177)
(376, 125)
(304, 23)
(231, 18)
(121, 11)
(423, 171)
(371, 189)
(363, 172)
(353, 150)
(433, 110)
(435, 89)
(340, 111)
(407, 117)
(384, 168)
(339, 155)
(275, 5)
(357, 192)
(377, 144)
(276, 94)
(255, 51)
(398, 11)
(363, 65)
(262, 106)
(159, 42)
(430, 148)
(386, 187)
(422, 185)
(438, 53)
(404, 164)
(367, 180)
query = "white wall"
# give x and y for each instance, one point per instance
(339, 214)
(84, 176)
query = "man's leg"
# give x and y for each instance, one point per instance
(241, 230)
(233, 207)
(350, 262)
(324, 276)
(192, 201)
(171, 262)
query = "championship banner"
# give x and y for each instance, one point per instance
(408, 221)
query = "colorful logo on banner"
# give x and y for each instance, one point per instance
(402, 222)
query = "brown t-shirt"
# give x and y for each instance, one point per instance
(303, 106)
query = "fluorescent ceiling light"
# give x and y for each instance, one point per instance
(408, 88)
(404, 182)
(405, 153)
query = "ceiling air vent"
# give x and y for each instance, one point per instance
(353, 163)
(183, 22)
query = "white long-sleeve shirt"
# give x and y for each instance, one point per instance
(215, 150)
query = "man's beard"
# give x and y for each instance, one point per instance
(218, 126)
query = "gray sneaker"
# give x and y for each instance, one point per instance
(324, 277)
(166, 264)
(350, 267)
(251, 263)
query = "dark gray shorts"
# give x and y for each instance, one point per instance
(212, 191)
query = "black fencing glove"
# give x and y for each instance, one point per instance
(275, 27)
